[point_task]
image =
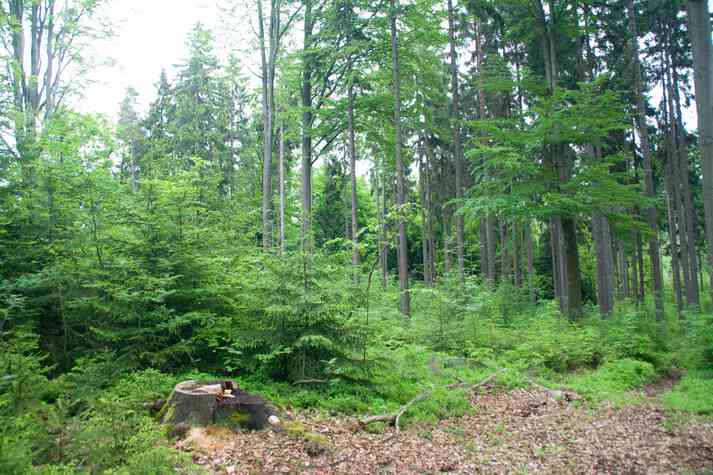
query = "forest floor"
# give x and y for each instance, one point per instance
(520, 431)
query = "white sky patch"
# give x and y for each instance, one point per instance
(150, 36)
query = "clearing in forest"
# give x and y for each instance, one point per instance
(520, 431)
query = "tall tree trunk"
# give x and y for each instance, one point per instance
(381, 216)
(405, 304)
(642, 128)
(457, 145)
(352, 172)
(573, 281)
(601, 235)
(282, 187)
(352, 156)
(699, 27)
(422, 178)
(488, 257)
(673, 234)
(307, 118)
(267, 101)
(681, 182)
(682, 153)
(530, 263)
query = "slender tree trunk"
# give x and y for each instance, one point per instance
(430, 211)
(282, 187)
(673, 235)
(681, 177)
(492, 249)
(530, 263)
(400, 181)
(555, 258)
(424, 216)
(517, 255)
(488, 258)
(352, 172)
(699, 27)
(682, 154)
(623, 270)
(642, 270)
(307, 130)
(446, 238)
(504, 253)
(457, 145)
(267, 132)
(642, 128)
(381, 216)
(352, 156)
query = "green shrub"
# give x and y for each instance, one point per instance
(612, 380)
(292, 319)
(693, 394)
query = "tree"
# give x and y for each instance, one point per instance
(642, 129)
(405, 304)
(699, 26)
(457, 144)
(130, 133)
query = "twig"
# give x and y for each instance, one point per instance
(395, 416)
(310, 381)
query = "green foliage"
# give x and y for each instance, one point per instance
(612, 380)
(693, 394)
(293, 318)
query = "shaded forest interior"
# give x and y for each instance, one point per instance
(410, 195)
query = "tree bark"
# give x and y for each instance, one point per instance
(601, 235)
(282, 188)
(530, 263)
(352, 172)
(642, 128)
(307, 118)
(266, 57)
(457, 144)
(699, 27)
(405, 303)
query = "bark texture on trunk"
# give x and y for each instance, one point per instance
(601, 233)
(457, 145)
(405, 302)
(642, 129)
(699, 27)
(307, 118)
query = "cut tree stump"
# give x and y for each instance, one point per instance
(201, 403)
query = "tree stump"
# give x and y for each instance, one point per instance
(200, 403)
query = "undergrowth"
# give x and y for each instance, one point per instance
(92, 419)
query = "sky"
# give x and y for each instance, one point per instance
(150, 36)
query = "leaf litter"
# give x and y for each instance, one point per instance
(520, 431)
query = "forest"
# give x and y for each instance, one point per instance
(469, 236)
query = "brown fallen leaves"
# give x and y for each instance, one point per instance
(522, 431)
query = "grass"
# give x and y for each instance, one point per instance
(612, 381)
(693, 394)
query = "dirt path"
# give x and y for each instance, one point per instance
(522, 431)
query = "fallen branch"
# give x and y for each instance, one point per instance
(555, 394)
(395, 416)
(310, 381)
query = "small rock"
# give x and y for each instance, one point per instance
(273, 420)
